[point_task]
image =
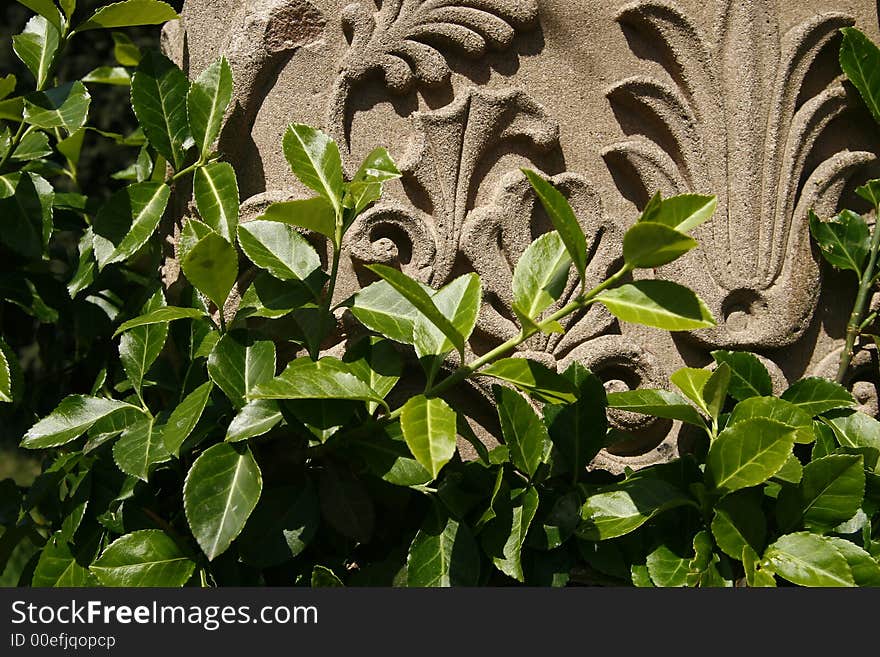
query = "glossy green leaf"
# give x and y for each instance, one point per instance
(683, 213)
(254, 419)
(541, 275)
(37, 47)
(578, 430)
(376, 362)
(524, 433)
(125, 223)
(160, 316)
(749, 453)
(314, 214)
(57, 567)
(215, 189)
(314, 159)
(72, 418)
(773, 408)
(221, 490)
(831, 490)
(281, 527)
(563, 219)
(860, 61)
(209, 96)
(271, 298)
(129, 13)
(854, 428)
(659, 304)
(739, 521)
(65, 107)
(691, 382)
(7, 85)
(279, 249)
(47, 9)
(429, 428)
(623, 508)
(140, 448)
(6, 359)
(388, 457)
(34, 145)
(413, 292)
(749, 376)
(532, 377)
(443, 553)
(809, 560)
(140, 347)
(328, 378)
(865, 569)
(366, 186)
(26, 202)
(193, 232)
(146, 558)
(239, 368)
(382, 309)
(756, 575)
(815, 395)
(212, 267)
(184, 418)
(125, 50)
(659, 403)
(647, 245)
(113, 75)
(666, 568)
(503, 537)
(158, 95)
(716, 389)
(459, 301)
(844, 240)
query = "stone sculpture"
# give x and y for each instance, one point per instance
(613, 101)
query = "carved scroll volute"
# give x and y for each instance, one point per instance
(734, 125)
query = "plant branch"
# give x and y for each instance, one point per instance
(855, 327)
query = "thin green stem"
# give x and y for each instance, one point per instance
(16, 140)
(184, 172)
(328, 294)
(866, 283)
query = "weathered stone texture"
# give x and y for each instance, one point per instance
(740, 98)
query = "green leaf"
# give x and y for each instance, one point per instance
(129, 13)
(47, 9)
(366, 186)
(212, 268)
(854, 428)
(815, 395)
(647, 245)
(279, 249)
(145, 558)
(860, 60)
(221, 490)
(659, 304)
(683, 213)
(193, 231)
(127, 220)
(739, 521)
(749, 453)
(57, 567)
(541, 275)
(388, 457)
(65, 107)
(808, 560)
(524, 433)
(26, 203)
(314, 159)
(125, 51)
(33, 146)
(323, 577)
(160, 316)
(268, 297)
(429, 428)
(185, 417)
(691, 382)
(776, 409)
(503, 536)
(207, 101)
(72, 418)
(376, 362)
(346, 505)
(756, 574)
(254, 419)
(328, 378)
(844, 240)
(158, 95)
(563, 219)
(623, 508)
(140, 347)
(749, 376)
(538, 380)
(659, 403)
(37, 47)
(215, 189)
(238, 368)
(281, 527)
(831, 490)
(459, 301)
(578, 430)
(112, 75)
(382, 309)
(6, 358)
(666, 568)
(413, 292)
(443, 553)
(865, 569)
(7, 85)
(139, 448)
(716, 389)
(314, 214)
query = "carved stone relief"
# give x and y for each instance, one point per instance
(612, 101)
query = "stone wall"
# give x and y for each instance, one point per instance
(613, 100)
